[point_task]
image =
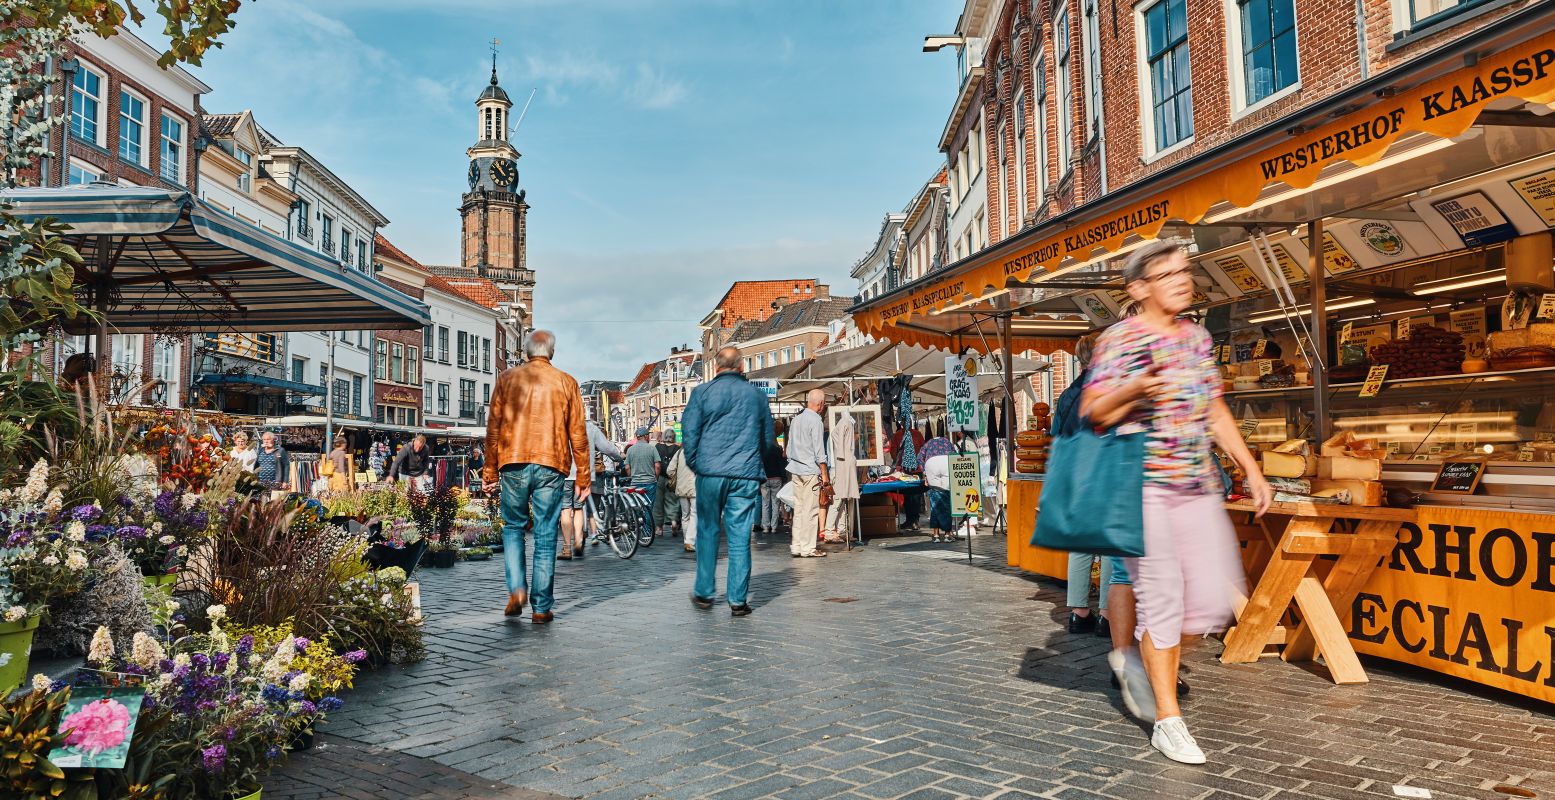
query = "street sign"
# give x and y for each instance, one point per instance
(965, 495)
(767, 387)
(960, 396)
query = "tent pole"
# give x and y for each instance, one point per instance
(103, 356)
(1319, 331)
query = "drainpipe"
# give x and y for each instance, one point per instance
(67, 71)
(1360, 38)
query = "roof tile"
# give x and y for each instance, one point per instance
(752, 300)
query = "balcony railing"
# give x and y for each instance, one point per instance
(304, 231)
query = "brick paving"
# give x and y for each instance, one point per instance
(894, 671)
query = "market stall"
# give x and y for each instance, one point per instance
(1377, 273)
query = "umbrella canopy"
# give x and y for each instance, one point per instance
(156, 260)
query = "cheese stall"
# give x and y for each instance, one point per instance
(1377, 273)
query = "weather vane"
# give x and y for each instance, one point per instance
(494, 43)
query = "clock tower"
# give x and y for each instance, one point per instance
(493, 210)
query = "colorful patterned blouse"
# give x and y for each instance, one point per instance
(1177, 449)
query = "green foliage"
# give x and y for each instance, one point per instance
(91, 465)
(374, 613)
(25, 742)
(191, 26)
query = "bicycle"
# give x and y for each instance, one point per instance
(613, 515)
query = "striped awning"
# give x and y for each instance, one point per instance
(170, 261)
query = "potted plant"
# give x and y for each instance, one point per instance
(401, 545)
(442, 553)
(160, 543)
(44, 559)
(327, 672)
(476, 553)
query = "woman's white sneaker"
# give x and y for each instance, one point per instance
(1171, 737)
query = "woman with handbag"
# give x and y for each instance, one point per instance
(337, 467)
(1154, 374)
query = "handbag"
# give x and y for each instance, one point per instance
(327, 468)
(826, 495)
(1092, 496)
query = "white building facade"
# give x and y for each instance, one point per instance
(876, 271)
(964, 141)
(458, 357)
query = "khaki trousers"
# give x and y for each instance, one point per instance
(807, 515)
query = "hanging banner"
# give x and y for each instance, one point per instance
(1467, 592)
(960, 396)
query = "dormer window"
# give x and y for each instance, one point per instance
(246, 179)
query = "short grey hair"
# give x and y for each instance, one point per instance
(727, 358)
(540, 344)
(1139, 261)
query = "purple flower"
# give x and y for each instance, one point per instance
(132, 533)
(302, 644)
(272, 752)
(275, 694)
(85, 513)
(206, 705)
(355, 656)
(214, 759)
(308, 709)
(245, 645)
(330, 704)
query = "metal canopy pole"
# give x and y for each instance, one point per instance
(1315, 271)
(1009, 424)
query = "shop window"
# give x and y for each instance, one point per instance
(1171, 85)
(1268, 42)
(172, 155)
(1064, 77)
(86, 106)
(132, 128)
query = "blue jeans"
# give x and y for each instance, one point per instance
(730, 505)
(531, 500)
(653, 492)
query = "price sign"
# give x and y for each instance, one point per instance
(1344, 333)
(1374, 379)
(1260, 347)
(1265, 366)
(1458, 476)
(1547, 306)
(1223, 354)
(1403, 328)
(965, 496)
(1525, 453)
(960, 396)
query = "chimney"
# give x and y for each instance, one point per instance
(822, 291)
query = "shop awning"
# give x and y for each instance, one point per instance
(167, 260)
(1510, 64)
(260, 384)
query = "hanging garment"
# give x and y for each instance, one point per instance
(909, 457)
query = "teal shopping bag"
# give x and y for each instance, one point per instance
(1092, 494)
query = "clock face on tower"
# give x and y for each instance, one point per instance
(504, 173)
(475, 174)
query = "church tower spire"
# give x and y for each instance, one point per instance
(494, 212)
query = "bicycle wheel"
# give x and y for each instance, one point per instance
(618, 527)
(646, 529)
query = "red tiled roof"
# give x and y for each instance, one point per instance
(642, 375)
(752, 300)
(478, 290)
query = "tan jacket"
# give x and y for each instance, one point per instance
(536, 417)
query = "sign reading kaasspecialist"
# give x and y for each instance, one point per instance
(960, 396)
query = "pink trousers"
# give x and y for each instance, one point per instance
(1191, 572)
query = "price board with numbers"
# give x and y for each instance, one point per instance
(1374, 379)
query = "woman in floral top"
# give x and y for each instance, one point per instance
(1154, 372)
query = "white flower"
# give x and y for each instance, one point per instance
(215, 612)
(188, 501)
(101, 651)
(219, 640)
(15, 613)
(164, 680)
(180, 660)
(232, 667)
(50, 560)
(168, 539)
(146, 651)
(37, 483)
(54, 502)
(41, 682)
(76, 531)
(386, 599)
(300, 682)
(156, 527)
(76, 560)
(255, 660)
(171, 607)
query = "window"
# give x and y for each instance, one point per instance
(361, 254)
(132, 128)
(426, 397)
(1268, 47)
(345, 245)
(340, 400)
(397, 362)
(172, 140)
(442, 399)
(304, 220)
(747, 365)
(412, 365)
(1003, 212)
(86, 105)
(977, 154)
(464, 349)
(1020, 156)
(327, 227)
(299, 370)
(442, 344)
(426, 338)
(410, 417)
(1090, 40)
(246, 179)
(486, 393)
(1040, 76)
(1422, 12)
(358, 388)
(324, 375)
(80, 175)
(164, 368)
(1065, 87)
(381, 360)
(486, 354)
(1171, 85)
(799, 352)
(466, 398)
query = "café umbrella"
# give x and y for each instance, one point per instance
(160, 261)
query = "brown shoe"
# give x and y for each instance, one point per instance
(516, 602)
(542, 617)
(565, 557)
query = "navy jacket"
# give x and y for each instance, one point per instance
(1066, 412)
(725, 427)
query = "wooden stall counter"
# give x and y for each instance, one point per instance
(1024, 491)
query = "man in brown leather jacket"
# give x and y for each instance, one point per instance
(534, 434)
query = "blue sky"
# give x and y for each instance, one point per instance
(673, 146)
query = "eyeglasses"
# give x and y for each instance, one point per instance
(1181, 272)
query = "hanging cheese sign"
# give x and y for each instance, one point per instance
(1344, 333)
(1374, 379)
(1261, 347)
(1336, 259)
(1239, 273)
(1404, 326)
(1265, 366)
(1289, 266)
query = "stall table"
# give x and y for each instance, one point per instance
(1290, 571)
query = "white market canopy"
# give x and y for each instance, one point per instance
(835, 371)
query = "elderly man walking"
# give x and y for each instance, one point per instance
(807, 464)
(534, 434)
(725, 428)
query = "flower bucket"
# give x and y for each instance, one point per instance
(254, 795)
(162, 583)
(15, 652)
(443, 559)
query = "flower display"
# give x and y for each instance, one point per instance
(98, 726)
(187, 459)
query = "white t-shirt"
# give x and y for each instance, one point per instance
(246, 457)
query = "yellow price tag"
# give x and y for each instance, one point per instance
(1403, 328)
(1344, 333)
(1265, 366)
(1260, 347)
(1525, 453)
(1374, 379)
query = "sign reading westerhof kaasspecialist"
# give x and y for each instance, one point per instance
(960, 396)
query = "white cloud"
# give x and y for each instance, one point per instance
(653, 89)
(646, 86)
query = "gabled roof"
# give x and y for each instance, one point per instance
(220, 126)
(752, 300)
(643, 375)
(479, 290)
(383, 245)
(804, 314)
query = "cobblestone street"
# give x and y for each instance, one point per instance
(893, 671)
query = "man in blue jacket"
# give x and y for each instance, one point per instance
(725, 427)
